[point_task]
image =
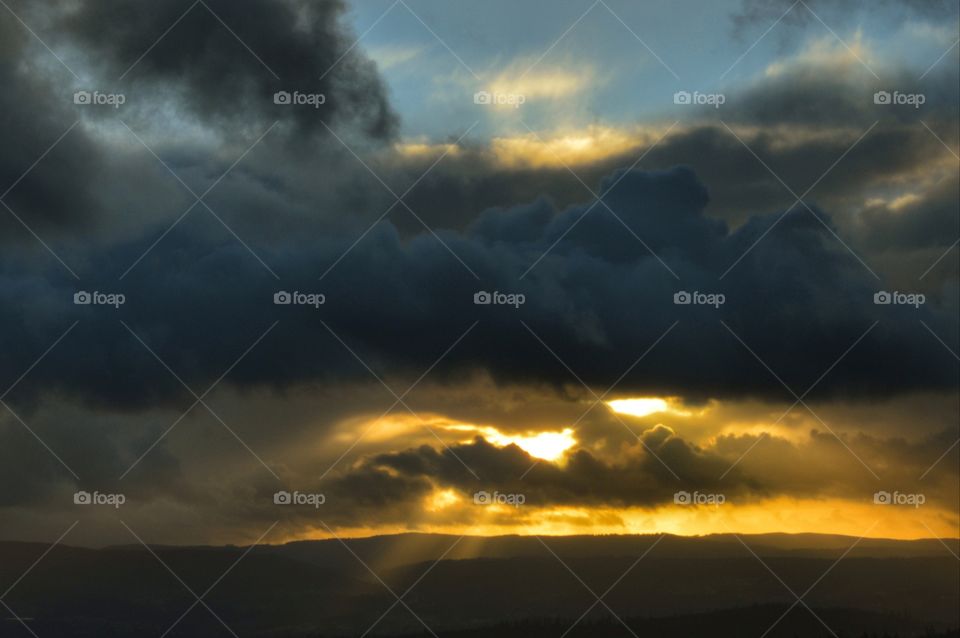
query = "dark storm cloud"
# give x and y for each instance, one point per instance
(927, 220)
(599, 299)
(803, 122)
(799, 122)
(840, 94)
(799, 299)
(229, 79)
(32, 117)
(889, 154)
(638, 479)
(197, 75)
(804, 97)
(648, 474)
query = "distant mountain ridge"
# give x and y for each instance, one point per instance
(321, 588)
(400, 549)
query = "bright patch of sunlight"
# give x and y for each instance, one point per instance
(549, 446)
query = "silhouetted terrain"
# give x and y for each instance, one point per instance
(401, 549)
(736, 623)
(503, 586)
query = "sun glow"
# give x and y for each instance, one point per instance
(441, 499)
(779, 515)
(645, 406)
(567, 147)
(549, 446)
(639, 407)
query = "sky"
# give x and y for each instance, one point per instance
(352, 268)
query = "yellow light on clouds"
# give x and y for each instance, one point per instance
(548, 446)
(569, 147)
(779, 515)
(441, 499)
(556, 83)
(639, 407)
(645, 406)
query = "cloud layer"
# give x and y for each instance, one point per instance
(297, 199)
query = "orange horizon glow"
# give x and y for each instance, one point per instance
(775, 516)
(449, 509)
